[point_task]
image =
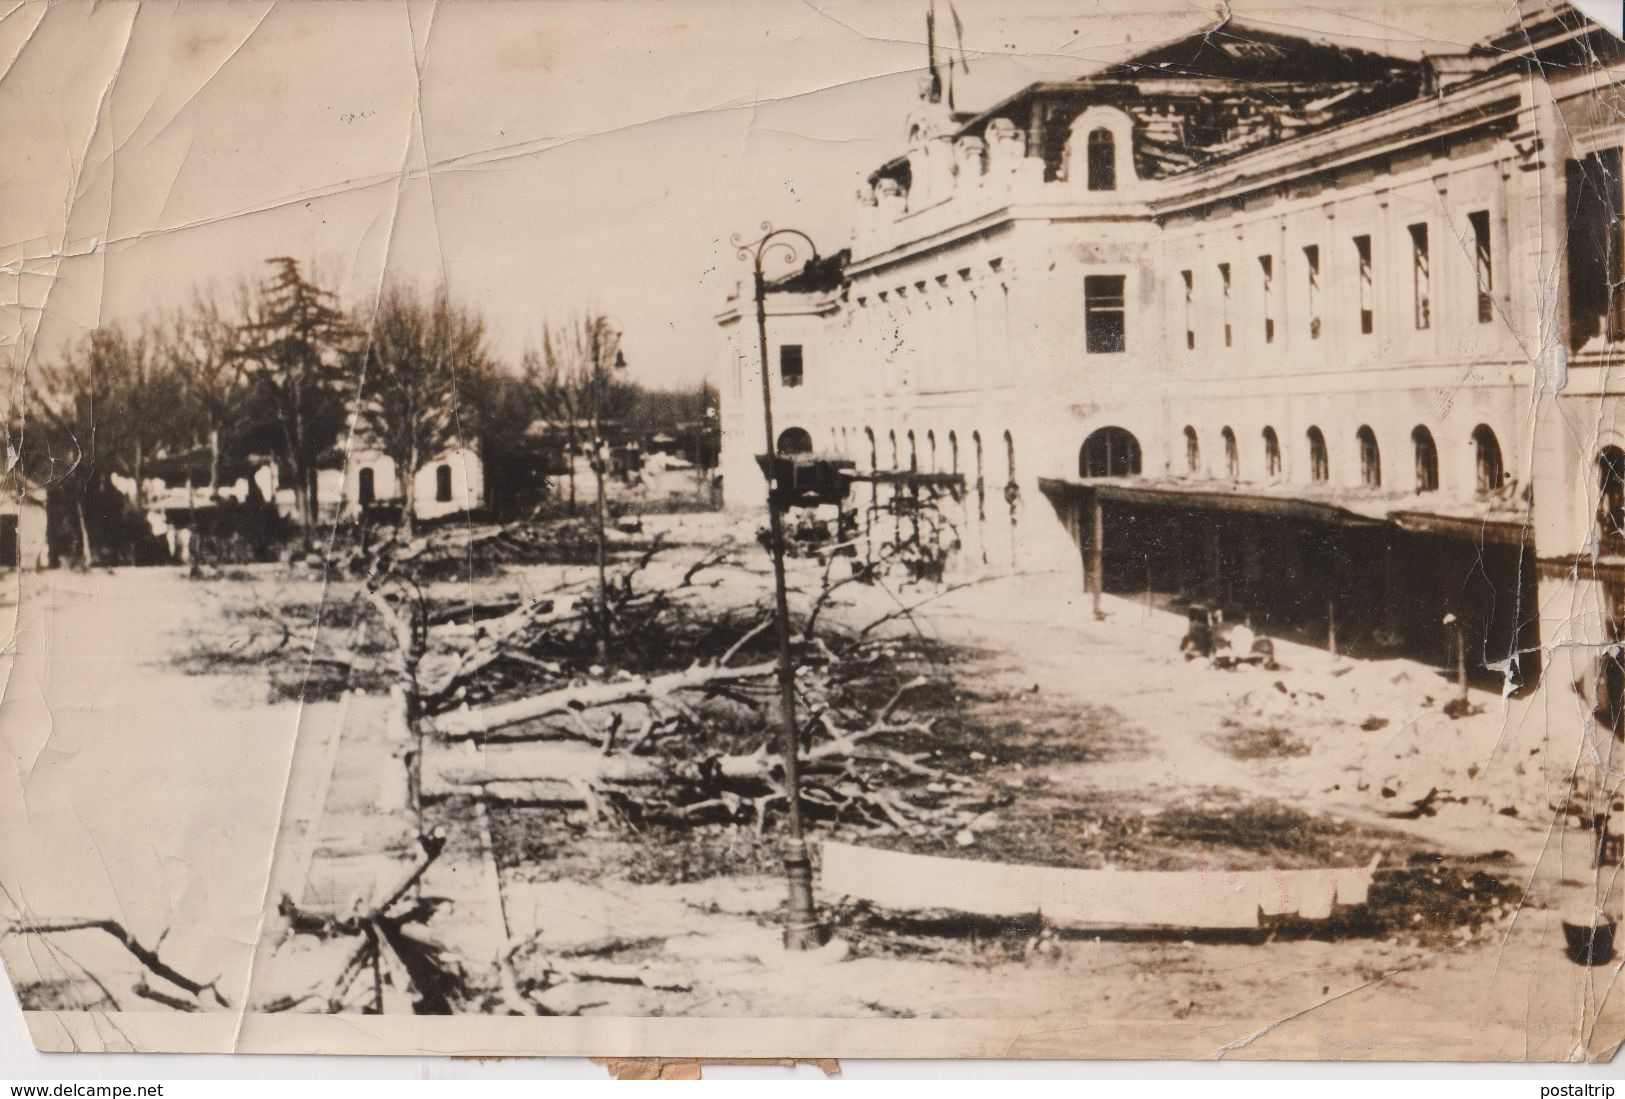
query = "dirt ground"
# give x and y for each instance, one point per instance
(1105, 749)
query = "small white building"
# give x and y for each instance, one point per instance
(23, 543)
(451, 483)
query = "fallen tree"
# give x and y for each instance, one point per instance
(674, 743)
(469, 723)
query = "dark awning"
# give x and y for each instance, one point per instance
(1216, 499)
(1505, 531)
(1499, 529)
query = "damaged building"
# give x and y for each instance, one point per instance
(1311, 334)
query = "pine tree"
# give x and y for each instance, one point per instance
(292, 342)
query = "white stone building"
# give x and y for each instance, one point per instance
(452, 483)
(1309, 332)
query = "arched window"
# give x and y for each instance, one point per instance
(1109, 452)
(931, 451)
(913, 454)
(1232, 456)
(891, 437)
(795, 440)
(874, 456)
(1427, 460)
(953, 452)
(1370, 458)
(1487, 459)
(1272, 453)
(1193, 451)
(1611, 506)
(442, 483)
(1102, 160)
(366, 486)
(1320, 466)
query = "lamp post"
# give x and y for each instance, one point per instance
(801, 930)
(606, 334)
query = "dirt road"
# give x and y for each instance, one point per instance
(139, 792)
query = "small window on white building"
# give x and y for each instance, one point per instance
(1487, 460)
(1103, 314)
(1320, 467)
(1370, 458)
(1421, 278)
(1224, 301)
(1266, 274)
(1190, 301)
(1362, 255)
(790, 365)
(1483, 264)
(1102, 152)
(442, 483)
(1611, 502)
(1311, 261)
(1193, 451)
(1427, 460)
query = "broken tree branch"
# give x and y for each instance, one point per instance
(469, 723)
(146, 956)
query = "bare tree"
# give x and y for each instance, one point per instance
(199, 343)
(293, 341)
(106, 408)
(573, 381)
(412, 368)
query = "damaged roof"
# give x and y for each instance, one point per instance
(820, 274)
(1214, 93)
(1239, 52)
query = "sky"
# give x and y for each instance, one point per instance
(541, 158)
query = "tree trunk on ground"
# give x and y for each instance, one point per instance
(487, 719)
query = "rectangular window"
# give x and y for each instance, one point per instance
(1362, 250)
(1311, 259)
(1421, 279)
(1483, 264)
(1103, 314)
(790, 364)
(1596, 248)
(1266, 272)
(1224, 283)
(1190, 298)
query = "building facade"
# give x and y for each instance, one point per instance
(1318, 335)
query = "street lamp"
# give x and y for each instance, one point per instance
(605, 329)
(801, 929)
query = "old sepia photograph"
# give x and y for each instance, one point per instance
(784, 528)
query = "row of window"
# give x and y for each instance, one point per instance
(905, 453)
(1487, 450)
(1103, 295)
